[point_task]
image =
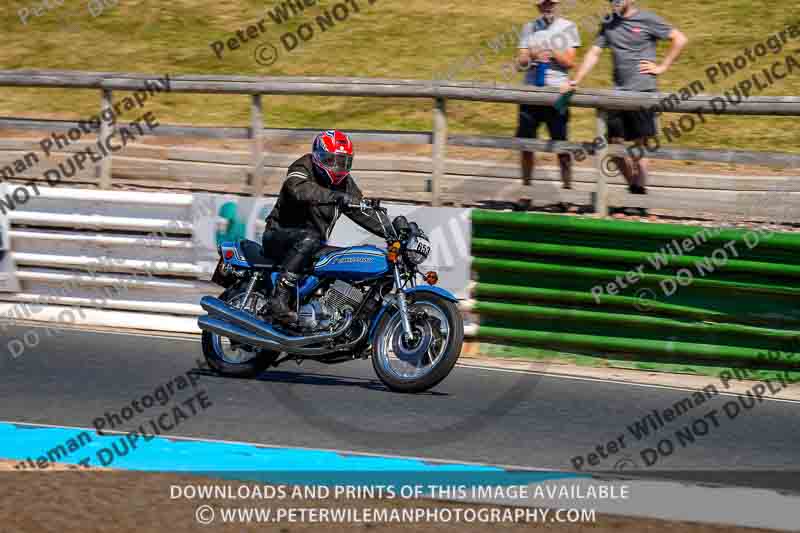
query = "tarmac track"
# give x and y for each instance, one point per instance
(478, 415)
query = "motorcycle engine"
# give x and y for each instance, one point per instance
(329, 309)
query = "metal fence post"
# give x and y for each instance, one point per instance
(439, 150)
(257, 135)
(103, 170)
(601, 191)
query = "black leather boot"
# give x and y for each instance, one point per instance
(281, 309)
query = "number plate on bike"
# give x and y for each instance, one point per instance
(423, 246)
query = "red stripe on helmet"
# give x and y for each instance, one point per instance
(332, 141)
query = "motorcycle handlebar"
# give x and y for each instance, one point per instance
(369, 204)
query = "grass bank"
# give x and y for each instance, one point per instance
(387, 38)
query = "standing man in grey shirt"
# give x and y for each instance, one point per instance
(550, 42)
(632, 36)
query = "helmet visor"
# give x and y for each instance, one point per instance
(336, 162)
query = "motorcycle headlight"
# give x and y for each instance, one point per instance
(417, 249)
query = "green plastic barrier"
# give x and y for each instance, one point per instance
(604, 276)
(517, 248)
(626, 229)
(690, 351)
(538, 277)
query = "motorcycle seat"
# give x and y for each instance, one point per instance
(254, 253)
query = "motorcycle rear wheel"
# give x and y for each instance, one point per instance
(234, 359)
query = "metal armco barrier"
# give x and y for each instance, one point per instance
(670, 293)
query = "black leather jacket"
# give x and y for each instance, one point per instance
(302, 192)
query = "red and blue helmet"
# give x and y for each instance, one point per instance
(332, 153)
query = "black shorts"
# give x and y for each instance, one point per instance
(531, 116)
(631, 125)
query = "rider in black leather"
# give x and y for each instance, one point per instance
(318, 188)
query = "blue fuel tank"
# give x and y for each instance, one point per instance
(353, 263)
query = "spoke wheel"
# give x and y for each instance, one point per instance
(232, 358)
(414, 358)
(234, 352)
(421, 362)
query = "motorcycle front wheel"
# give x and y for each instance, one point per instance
(421, 363)
(231, 358)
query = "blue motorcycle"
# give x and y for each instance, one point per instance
(358, 302)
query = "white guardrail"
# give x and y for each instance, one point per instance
(142, 260)
(83, 254)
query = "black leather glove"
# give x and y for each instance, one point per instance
(342, 199)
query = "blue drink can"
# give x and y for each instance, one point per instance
(541, 72)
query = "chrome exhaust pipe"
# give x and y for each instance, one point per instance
(234, 332)
(218, 308)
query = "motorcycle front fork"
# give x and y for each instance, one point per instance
(402, 305)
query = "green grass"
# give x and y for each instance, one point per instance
(634, 363)
(390, 38)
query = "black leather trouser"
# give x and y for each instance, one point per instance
(295, 247)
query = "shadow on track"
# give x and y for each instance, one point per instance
(311, 378)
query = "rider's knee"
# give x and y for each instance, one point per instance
(309, 244)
